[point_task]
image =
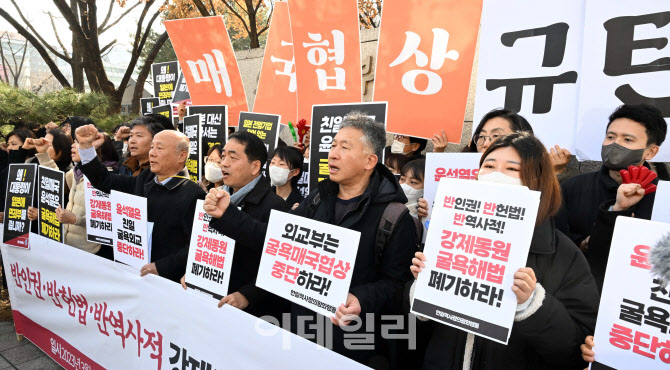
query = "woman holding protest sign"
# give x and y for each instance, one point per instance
(557, 299)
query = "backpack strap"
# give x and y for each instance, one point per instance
(387, 224)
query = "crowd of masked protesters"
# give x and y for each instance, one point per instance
(557, 292)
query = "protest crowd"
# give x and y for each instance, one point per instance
(557, 292)
(371, 232)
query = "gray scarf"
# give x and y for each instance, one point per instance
(237, 197)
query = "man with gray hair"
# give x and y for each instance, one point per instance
(166, 190)
(356, 196)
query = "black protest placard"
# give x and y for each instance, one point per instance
(147, 105)
(20, 186)
(265, 126)
(50, 196)
(165, 110)
(192, 131)
(326, 120)
(213, 126)
(165, 79)
(303, 182)
(181, 93)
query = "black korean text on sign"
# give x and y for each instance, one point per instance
(164, 110)
(326, 120)
(621, 44)
(147, 105)
(165, 79)
(49, 197)
(213, 126)
(264, 126)
(181, 91)
(20, 187)
(554, 50)
(192, 131)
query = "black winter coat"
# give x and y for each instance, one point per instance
(550, 337)
(378, 286)
(170, 207)
(582, 197)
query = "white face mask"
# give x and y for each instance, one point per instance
(412, 194)
(213, 173)
(278, 175)
(500, 178)
(398, 147)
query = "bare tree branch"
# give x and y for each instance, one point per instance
(38, 46)
(20, 67)
(2, 56)
(51, 49)
(60, 43)
(137, 50)
(267, 22)
(103, 28)
(231, 8)
(109, 14)
(144, 72)
(107, 46)
(201, 8)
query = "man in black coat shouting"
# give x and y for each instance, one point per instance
(355, 197)
(171, 198)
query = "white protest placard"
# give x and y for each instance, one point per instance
(308, 262)
(98, 215)
(532, 65)
(450, 165)
(210, 256)
(632, 327)
(661, 210)
(129, 222)
(625, 60)
(479, 237)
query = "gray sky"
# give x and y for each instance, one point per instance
(35, 11)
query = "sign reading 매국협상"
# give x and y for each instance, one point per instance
(210, 257)
(71, 304)
(20, 188)
(326, 120)
(478, 238)
(129, 222)
(632, 327)
(51, 187)
(327, 52)
(208, 63)
(424, 64)
(308, 262)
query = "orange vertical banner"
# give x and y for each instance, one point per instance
(424, 61)
(276, 91)
(207, 60)
(327, 48)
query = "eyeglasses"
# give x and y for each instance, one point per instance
(217, 163)
(480, 139)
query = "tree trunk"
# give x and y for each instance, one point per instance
(144, 73)
(77, 63)
(253, 27)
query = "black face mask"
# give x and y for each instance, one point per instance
(616, 157)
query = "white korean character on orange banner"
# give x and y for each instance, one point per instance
(439, 53)
(214, 66)
(318, 56)
(289, 68)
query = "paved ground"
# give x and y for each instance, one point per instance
(15, 354)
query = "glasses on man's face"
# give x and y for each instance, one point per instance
(481, 139)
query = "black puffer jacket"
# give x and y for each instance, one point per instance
(551, 336)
